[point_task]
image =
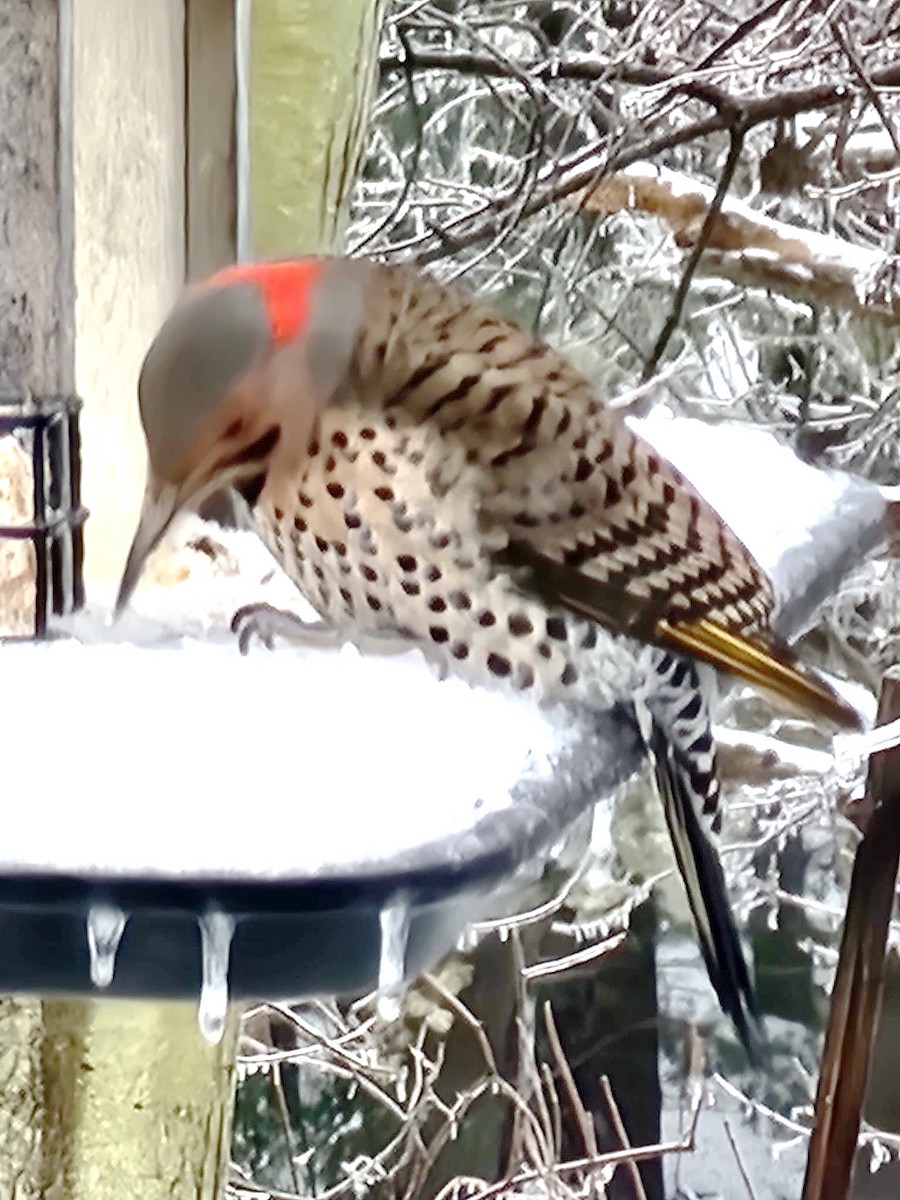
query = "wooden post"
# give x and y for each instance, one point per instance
(37, 284)
(129, 139)
(312, 71)
(99, 1098)
(211, 136)
(856, 995)
(105, 1099)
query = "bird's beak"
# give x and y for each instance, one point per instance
(161, 502)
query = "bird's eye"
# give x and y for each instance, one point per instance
(251, 488)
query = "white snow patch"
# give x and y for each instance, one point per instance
(190, 759)
(819, 247)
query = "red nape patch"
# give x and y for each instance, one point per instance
(286, 289)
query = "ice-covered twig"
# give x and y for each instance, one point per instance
(746, 246)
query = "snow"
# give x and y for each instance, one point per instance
(186, 757)
(817, 247)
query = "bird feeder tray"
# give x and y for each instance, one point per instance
(303, 822)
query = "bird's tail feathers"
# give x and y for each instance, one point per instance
(704, 882)
(771, 667)
(678, 735)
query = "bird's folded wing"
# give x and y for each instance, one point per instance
(756, 657)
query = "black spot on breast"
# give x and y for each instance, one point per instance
(556, 629)
(487, 619)
(411, 589)
(330, 462)
(278, 513)
(460, 651)
(569, 675)
(340, 549)
(519, 625)
(373, 602)
(433, 574)
(305, 499)
(339, 439)
(368, 573)
(384, 493)
(322, 544)
(499, 665)
(438, 634)
(461, 600)
(335, 491)
(300, 524)
(352, 520)
(437, 605)
(406, 562)
(367, 434)
(584, 470)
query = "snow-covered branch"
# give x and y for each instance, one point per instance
(751, 249)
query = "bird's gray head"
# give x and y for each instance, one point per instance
(233, 383)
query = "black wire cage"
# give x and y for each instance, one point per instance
(44, 536)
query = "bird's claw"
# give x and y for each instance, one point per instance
(265, 622)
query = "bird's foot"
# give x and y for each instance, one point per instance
(265, 622)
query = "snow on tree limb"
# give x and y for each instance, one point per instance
(751, 249)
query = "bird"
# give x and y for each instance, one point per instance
(428, 471)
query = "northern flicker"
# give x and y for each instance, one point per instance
(423, 468)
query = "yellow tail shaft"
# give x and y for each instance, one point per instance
(767, 667)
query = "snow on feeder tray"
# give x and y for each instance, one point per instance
(41, 516)
(323, 822)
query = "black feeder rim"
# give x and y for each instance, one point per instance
(47, 427)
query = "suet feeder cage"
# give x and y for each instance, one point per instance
(41, 514)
